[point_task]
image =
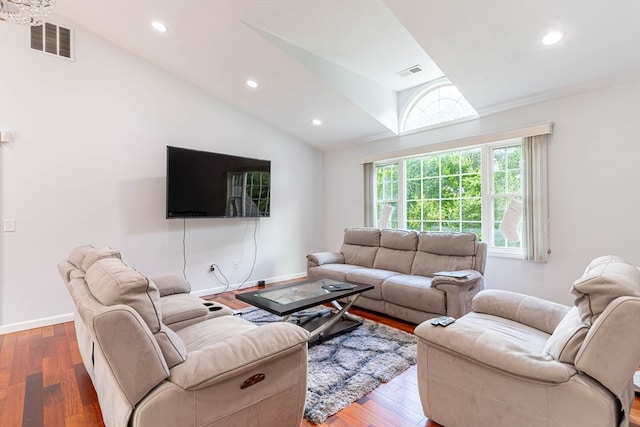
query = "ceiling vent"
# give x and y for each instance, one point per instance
(52, 39)
(410, 71)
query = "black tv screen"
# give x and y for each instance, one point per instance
(202, 184)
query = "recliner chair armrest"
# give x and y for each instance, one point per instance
(320, 258)
(476, 344)
(215, 363)
(532, 311)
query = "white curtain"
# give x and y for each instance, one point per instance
(536, 201)
(368, 195)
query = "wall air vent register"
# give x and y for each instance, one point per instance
(52, 39)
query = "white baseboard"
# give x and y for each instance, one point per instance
(36, 323)
(54, 320)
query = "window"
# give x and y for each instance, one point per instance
(477, 189)
(436, 104)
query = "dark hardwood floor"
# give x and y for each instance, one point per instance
(43, 383)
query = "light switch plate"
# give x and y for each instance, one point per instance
(9, 225)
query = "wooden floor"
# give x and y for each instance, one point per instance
(43, 383)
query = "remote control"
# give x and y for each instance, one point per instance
(447, 321)
(436, 321)
(442, 321)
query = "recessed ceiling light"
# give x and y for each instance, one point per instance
(252, 83)
(316, 122)
(159, 26)
(552, 37)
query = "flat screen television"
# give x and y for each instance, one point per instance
(202, 184)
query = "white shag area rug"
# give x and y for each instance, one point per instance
(346, 367)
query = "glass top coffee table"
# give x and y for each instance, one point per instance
(294, 300)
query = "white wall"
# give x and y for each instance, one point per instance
(88, 166)
(594, 193)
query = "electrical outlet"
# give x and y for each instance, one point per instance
(236, 263)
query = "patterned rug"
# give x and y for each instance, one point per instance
(346, 367)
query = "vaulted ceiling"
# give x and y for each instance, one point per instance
(338, 60)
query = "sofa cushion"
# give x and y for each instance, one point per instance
(394, 260)
(113, 282)
(84, 256)
(414, 292)
(77, 254)
(96, 254)
(363, 256)
(441, 243)
(564, 343)
(212, 331)
(362, 236)
(399, 239)
(69, 271)
(397, 250)
(370, 276)
(605, 279)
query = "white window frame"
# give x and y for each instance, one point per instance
(486, 193)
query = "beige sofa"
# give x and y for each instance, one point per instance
(401, 265)
(519, 360)
(158, 356)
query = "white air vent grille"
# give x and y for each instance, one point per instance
(410, 71)
(52, 39)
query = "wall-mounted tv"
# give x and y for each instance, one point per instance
(202, 184)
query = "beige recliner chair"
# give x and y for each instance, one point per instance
(161, 358)
(517, 360)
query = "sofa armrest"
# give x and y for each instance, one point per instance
(472, 277)
(215, 363)
(171, 284)
(476, 344)
(535, 312)
(459, 291)
(320, 258)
